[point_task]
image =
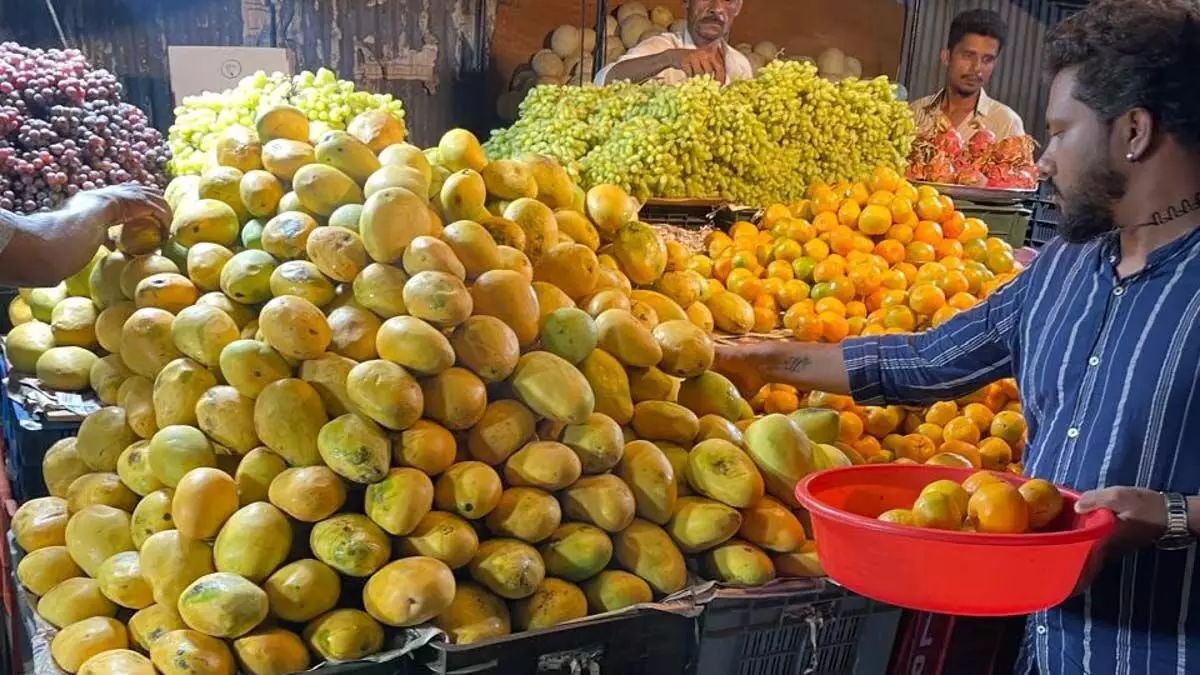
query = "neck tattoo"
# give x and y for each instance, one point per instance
(1174, 212)
(795, 364)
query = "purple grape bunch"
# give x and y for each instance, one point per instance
(64, 128)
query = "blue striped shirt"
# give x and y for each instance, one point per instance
(1109, 375)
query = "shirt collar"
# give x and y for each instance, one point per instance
(1111, 249)
(982, 105)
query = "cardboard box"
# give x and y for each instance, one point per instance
(195, 70)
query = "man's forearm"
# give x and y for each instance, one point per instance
(640, 69)
(48, 247)
(807, 365)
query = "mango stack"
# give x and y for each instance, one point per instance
(365, 386)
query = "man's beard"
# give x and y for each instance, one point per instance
(1088, 214)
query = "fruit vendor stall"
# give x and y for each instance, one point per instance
(385, 407)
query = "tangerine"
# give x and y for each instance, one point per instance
(938, 511)
(897, 517)
(1044, 500)
(774, 214)
(926, 299)
(834, 328)
(901, 232)
(962, 429)
(1009, 426)
(998, 508)
(949, 459)
(825, 222)
(921, 252)
(995, 453)
(848, 213)
(929, 208)
(979, 479)
(928, 232)
(950, 489)
(916, 447)
(765, 319)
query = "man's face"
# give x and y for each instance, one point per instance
(1077, 162)
(970, 64)
(712, 20)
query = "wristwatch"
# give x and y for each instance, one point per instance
(1177, 535)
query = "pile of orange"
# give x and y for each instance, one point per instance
(876, 256)
(984, 502)
(985, 430)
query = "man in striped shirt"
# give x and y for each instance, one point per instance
(1102, 333)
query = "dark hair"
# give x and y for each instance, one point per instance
(1135, 54)
(982, 22)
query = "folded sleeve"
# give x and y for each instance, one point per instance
(953, 360)
(653, 45)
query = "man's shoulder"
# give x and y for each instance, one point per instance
(740, 64)
(925, 102)
(989, 106)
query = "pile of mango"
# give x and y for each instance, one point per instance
(364, 386)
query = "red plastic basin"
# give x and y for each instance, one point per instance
(963, 573)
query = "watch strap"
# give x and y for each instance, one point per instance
(1177, 535)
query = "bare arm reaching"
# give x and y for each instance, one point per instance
(708, 60)
(46, 248)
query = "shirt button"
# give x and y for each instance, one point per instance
(1112, 259)
(1073, 433)
(1041, 630)
(1119, 291)
(1094, 361)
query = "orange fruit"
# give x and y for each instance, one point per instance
(856, 324)
(921, 252)
(891, 251)
(998, 508)
(791, 292)
(979, 479)
(931, 273)
(856, 308)
(901, 232)
(981, 415)
(834, 327)
(737, 276)
(973, 228)
(931, 431)
(961, 449)
(815, 188)
(875, 220)
(947, 207)
(765, 319)
(722, 267)
(800, 230)
(743, 229)
(841, 240)
(862, 245)
(781, 269)
(881, 421)
(899, 317)
(787, 250)
(929, 208)
(954, 226)
(937, 510)
(897, 517)
(948, 248)
(866, 278)
(941, 413)
(714, 287)
(1044, 500)
(901, 209)
(850, 428)
(880, 198)
(1000, 262)
(830, 304)
(1009, 426)
(817, 250)
(744, 260)
(802, 268)
(942, 316)
(848, 212)
(784, 402)
(859, 193)
(771, 286)
(952, 263)
(916, 447)
(701, 264)
(949, 459)
(962, 429)
(926, 299)
(825, 222)
(893, 280)
(828, 269)
(953, 283)
(928, 232)
(843, 289)
(806, 326)
(952, 490)
(773, 214)
(884, 178)
(995, 453)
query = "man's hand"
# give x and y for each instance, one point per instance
(707, 60)
(126, 203)
(1141, 515)
(742, 365)
(1141, 520)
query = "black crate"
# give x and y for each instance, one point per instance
(810, 627)
(26, 440)
(1043, 226)
(692, 217)
(645, 642)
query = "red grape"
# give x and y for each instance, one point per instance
(64, 128)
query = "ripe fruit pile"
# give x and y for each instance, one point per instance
(329, 103)
(984, 502)
(63, 128)
(756, 141)
(336, 412)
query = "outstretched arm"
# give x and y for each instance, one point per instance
(46, 248)
(950, 361)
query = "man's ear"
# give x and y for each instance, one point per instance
(1136, 130)
(945, 58)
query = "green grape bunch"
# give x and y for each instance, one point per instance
(322, 97)
(756, 141)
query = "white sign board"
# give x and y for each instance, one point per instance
(195, 70)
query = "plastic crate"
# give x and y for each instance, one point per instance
(680, 215)
(810, 627)
(1007, 222)
(26, 440)
(1043, 226)
(645, 642)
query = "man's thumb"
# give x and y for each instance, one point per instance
(1090, 501)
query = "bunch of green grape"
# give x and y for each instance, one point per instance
(323, 98)
(757, 141)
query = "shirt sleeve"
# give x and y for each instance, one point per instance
(953, 360)
(655, 45)
(6, 234)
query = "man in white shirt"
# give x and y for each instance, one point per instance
(976, 38)
(703, 49)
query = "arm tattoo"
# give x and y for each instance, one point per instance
(795, 364)
(1173, 212)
